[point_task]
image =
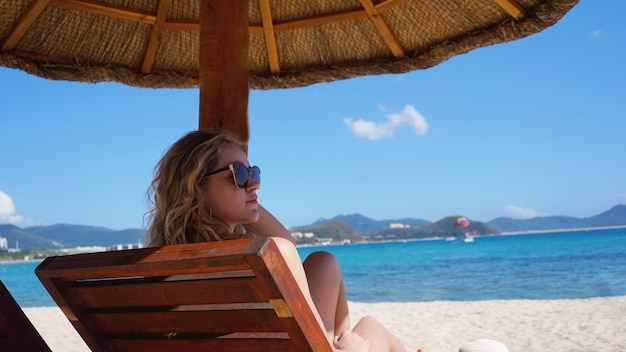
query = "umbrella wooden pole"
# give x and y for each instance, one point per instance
(224, 67)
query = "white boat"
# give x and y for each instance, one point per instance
(467, 238)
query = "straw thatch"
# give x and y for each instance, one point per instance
(306, 41)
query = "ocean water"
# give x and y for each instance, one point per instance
(542, 266)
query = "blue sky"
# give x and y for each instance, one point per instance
(534, 127)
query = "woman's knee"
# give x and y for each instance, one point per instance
(322, 263)
(369, 322)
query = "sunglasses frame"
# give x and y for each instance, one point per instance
(231, 167)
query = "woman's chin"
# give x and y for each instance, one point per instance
(252, 217)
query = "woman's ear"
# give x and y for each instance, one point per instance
(202, 188)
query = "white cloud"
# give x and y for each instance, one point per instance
(378, 130)
(519, 212)
(8, 214)
(595, 34)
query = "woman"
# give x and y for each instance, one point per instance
(205, 190)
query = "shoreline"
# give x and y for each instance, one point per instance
(584, 324)
(575, 229)
(433, 238)
(442, 238)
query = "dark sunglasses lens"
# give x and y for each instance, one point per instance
(255, 173)
(242, 174)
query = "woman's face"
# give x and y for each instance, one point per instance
(227, 202)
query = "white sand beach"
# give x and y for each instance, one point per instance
(593, 324)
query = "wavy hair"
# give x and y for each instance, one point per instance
(176, 214)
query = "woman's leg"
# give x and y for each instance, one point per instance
(329, 296)
(379, 337)
(327, 291)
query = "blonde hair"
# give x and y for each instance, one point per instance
(176, 214)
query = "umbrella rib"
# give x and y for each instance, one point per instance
(126, 14)
(318, 21)
(513, 8)
(270, 40)
(106, 10)
(18, 31)
(383, 29)
(155, 36)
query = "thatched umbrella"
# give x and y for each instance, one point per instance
(226, 47)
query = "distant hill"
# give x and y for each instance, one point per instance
(615, 216)
(446, 226)
(335, 230)
(442, 228)
(364, 224)
(339, 231)
(26, 240)
(67, 236)
(79, 235)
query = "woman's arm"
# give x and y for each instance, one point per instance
(292, 258)
(269, 226)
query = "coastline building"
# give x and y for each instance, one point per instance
(299, 234)
(398, 226)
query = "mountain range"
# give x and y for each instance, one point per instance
(67, 236)
(615, 216)
(354, 227)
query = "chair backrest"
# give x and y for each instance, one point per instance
(220, 296)
(17, 333)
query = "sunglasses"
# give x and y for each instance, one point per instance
(241, 173)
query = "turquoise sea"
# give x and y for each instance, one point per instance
(576, 264)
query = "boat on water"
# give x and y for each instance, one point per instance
(467, 238)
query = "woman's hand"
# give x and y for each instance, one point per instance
(351, 342)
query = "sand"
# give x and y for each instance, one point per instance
(593, 324)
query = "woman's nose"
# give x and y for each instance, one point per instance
(252, 184)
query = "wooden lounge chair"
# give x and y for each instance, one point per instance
(17, 333)
(218, 296)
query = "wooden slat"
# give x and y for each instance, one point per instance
(384, 30)
(200, 345)
(20, 28)
(165, 294)
(513, 8)
(214, 323)
(165, 261)
(155, 35)
(268, 34)
(164, 268)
